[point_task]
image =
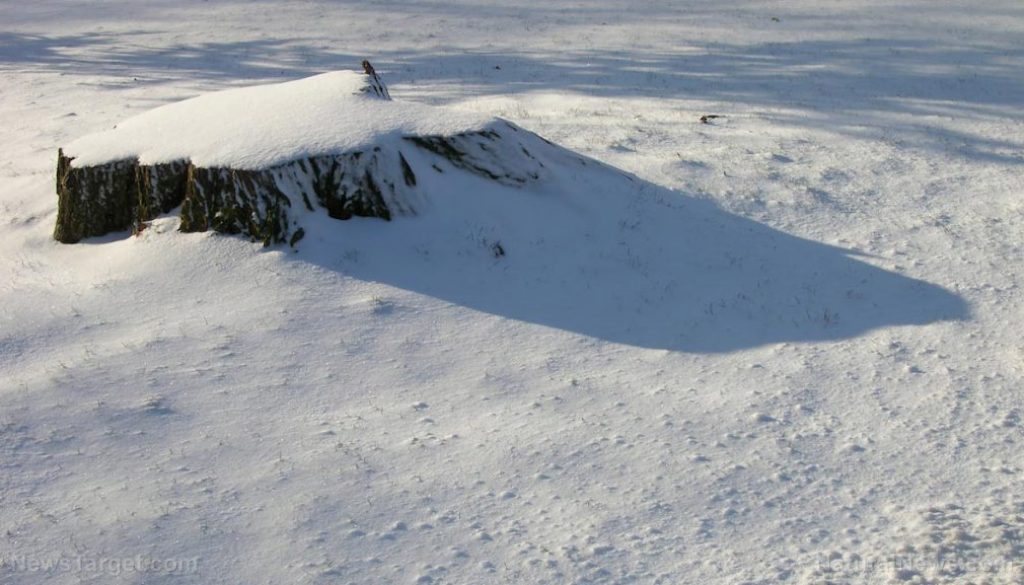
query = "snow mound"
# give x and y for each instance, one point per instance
(263, 126)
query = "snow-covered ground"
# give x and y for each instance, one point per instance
(787, 351)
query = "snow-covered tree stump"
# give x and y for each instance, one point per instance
(250, 161)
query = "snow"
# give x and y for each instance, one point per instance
(265, 126)
(783, 348)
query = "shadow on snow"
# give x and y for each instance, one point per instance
(610, 256)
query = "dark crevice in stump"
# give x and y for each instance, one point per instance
(161, 188)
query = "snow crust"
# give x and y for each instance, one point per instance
(267, 125)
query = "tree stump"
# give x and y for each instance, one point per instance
(378, 181)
